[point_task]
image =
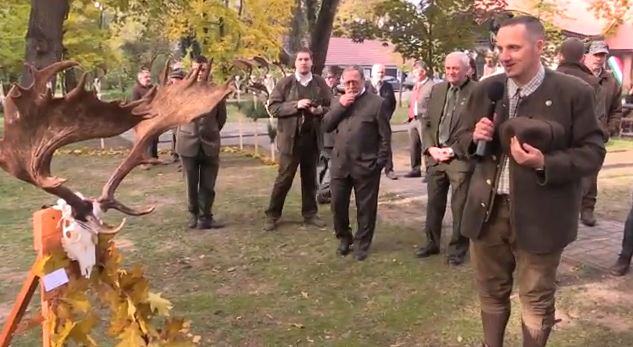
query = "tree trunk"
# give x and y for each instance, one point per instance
(44, 34)
(320, 36)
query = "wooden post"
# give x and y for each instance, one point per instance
(46, 238)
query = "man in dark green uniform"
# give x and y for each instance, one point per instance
(447, 166)
(198, 145)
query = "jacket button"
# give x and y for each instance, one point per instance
(494, 157)
(488, 182)
(483, 204)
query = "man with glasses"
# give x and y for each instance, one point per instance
(361, 148)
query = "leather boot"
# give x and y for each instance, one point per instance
(587, 217)
(621, 266)
(535, 338)
(494, 328)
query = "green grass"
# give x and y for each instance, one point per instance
(242, 287)
(620, 144)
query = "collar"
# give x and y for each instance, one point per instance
(461, 86)
(529, 87)
(376, 83)
(423, 81)
(303, 79)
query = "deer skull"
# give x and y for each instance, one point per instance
(79, 238)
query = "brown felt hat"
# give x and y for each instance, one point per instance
(543, 134)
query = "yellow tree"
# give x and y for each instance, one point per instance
(616, 12)
(226, 29)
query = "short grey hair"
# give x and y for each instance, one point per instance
(461, 56)
(355, 68)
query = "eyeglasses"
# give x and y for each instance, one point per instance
(330, 77)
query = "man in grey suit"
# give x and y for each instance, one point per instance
(447, 166)
(362, 138)
(417, 114)
(198, 145)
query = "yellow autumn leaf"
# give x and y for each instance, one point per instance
(40, 263)
(59, 337)
(131, 337)
(159, 304)
(81, 331)
(131, 309)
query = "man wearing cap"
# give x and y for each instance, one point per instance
(198, 145)
(609, 120)
(522, 205)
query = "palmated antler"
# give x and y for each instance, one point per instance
(37, 124)
(167, 106)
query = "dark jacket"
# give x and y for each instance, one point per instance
(385, 92)
(613, 104)
(431, 123)
(362, 136)
(283, 105)
(544, 206)
(581, 71)
(139, 91)
(203, 134)
(328, 137)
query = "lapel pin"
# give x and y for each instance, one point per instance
(548, 103)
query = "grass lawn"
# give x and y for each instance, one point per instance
(243, 287)
(620, 144)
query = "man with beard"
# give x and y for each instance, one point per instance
(298, 101)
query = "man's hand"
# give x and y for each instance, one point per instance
(484, 130)
(303, 104)
(440, 154)
(347, 99)
(526, 155)
(317, 111)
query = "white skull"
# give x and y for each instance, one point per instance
(79, 239)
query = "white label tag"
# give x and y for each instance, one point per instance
(55, 279)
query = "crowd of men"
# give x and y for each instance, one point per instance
(519, 151)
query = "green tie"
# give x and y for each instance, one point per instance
(447, 116)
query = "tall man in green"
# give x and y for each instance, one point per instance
(448, 167)
(299, 101)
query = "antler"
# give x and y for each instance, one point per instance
(37, 124)
(168, 107)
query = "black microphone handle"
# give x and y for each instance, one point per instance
(481, 148)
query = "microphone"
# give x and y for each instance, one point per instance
(495, 93)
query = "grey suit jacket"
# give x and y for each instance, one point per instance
(203, 134)
(423, 97)
(362, 136)
(431, 123)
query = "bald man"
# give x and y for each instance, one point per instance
(378, 86)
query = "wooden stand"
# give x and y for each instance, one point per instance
(46, 238)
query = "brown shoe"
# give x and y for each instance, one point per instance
(270, 224)
(587, 218)
(621, 266)
(391, 175)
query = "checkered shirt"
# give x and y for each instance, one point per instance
(516, 94)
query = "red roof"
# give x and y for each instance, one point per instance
(343, 51)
